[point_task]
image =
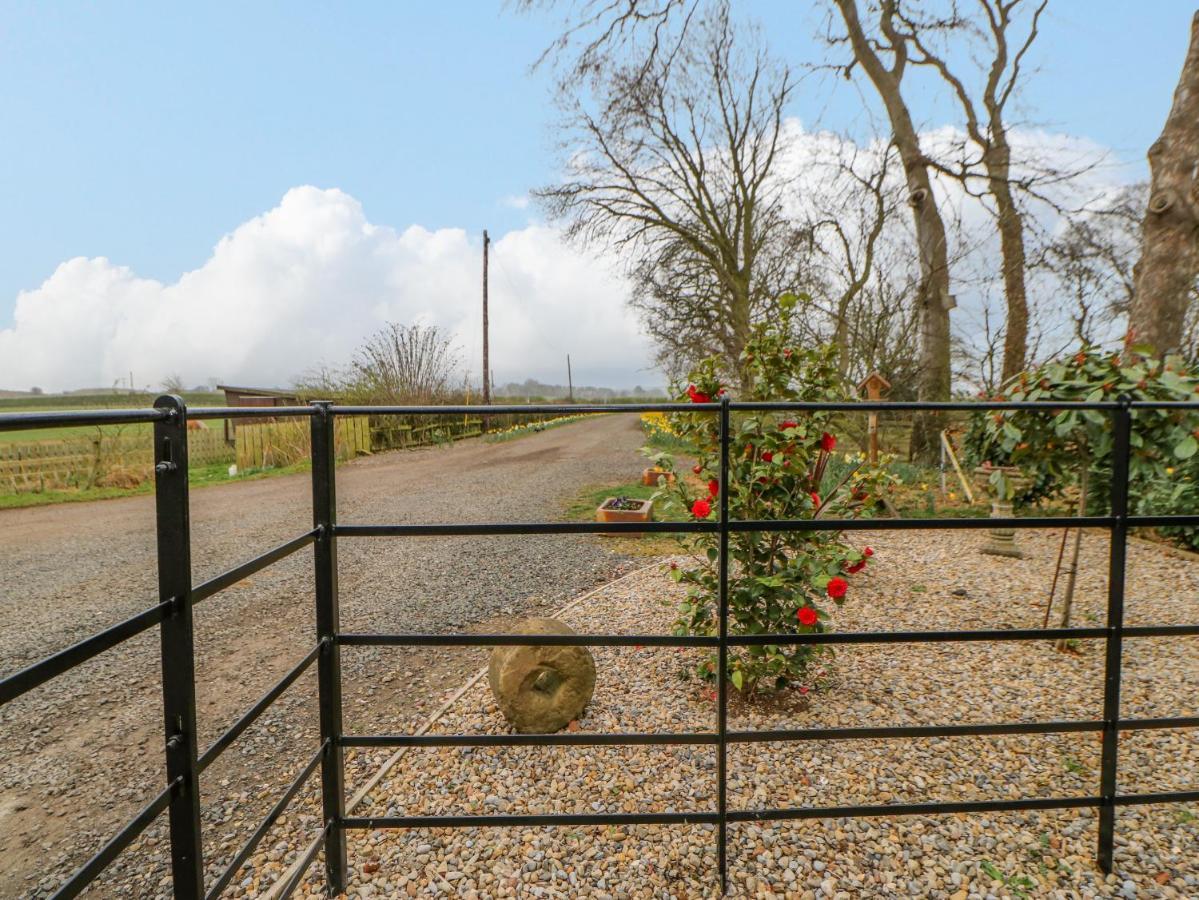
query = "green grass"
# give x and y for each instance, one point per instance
(582, 509)
(525, 430)
(198, 477)
(661, 441)
(73, 402)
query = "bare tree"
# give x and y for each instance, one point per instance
(675, 170)
(1091, 263)
(986, 128)
(397, 364)
(1165, 275)
(411, 363)
(883, 54)
(851, 206)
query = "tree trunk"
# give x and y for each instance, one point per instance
(934, 298)
(1011, 243)
(1169, 264)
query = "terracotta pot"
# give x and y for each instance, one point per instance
(644, 513)
(650, 476)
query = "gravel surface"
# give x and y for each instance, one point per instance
(917, 581)
(82, 754)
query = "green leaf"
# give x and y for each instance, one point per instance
(736, 679)
(1186, 448)
(788, 300)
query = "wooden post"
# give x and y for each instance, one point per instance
(874, 386)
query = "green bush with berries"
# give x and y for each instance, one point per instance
(1052, 448)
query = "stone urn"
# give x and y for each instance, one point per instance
(1001, 541)
(540, 689)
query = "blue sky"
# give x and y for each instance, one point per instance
(145, 132)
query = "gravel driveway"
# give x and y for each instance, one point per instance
(83, 753)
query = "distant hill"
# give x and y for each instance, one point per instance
(537, 389)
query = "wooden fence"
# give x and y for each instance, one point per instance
(286, 442)
(120, 460)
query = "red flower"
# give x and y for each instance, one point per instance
(806, 615)
(701, 509)
(762, 479)
(827, 442)
(788, 424)
(815, 498)
(787, 353)
(674, 565)
(714, 487)
(697, 468)
(712, 696)
(696, 395)
(837, 586)
(868, 552)
(856, 567)
(767, 456)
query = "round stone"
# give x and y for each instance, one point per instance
(541, 689)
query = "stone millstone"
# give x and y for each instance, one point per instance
(541, 689)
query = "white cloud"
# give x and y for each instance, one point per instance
(516, 201)
(303, 284)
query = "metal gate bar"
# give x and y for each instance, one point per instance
(177, 597)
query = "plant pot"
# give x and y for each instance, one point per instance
(650, 476)
(643, 513)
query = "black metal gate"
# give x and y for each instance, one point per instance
(178, 596)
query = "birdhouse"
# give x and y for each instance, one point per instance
(873, 387)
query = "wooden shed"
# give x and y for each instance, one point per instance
(250, 396)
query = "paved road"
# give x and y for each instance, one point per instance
(79, 756)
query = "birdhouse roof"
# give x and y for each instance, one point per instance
(874, 380)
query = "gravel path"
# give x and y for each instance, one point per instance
(82, 754)
(917, 581)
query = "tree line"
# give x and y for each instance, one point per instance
(679, 153)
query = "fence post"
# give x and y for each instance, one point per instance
(1121, 432)
(723, 653)
(173, 521)
(324, 518)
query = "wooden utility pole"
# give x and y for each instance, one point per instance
(570, 382)
(486, 362)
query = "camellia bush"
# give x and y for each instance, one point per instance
(1051, 449)
(780, 467)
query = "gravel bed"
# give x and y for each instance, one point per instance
(79, 756)
(917, 581)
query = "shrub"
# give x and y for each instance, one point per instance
(1051, 448)
(780, 467)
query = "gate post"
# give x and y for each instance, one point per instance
(324, 518)
(173, 520)
(723, 653)
(1121, 433)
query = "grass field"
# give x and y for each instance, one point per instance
(65, 402)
